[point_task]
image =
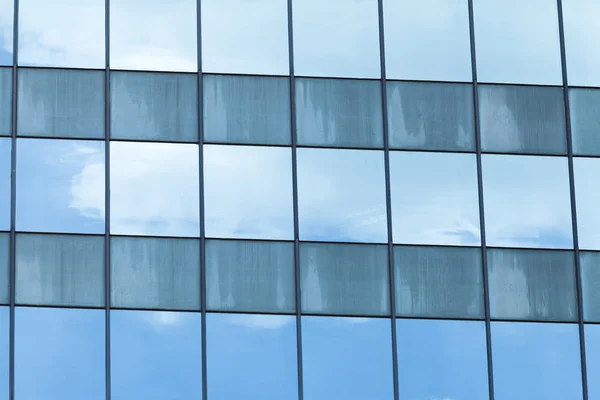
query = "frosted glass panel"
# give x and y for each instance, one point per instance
(5, 99)
(585, 121)
(590, 285)
(581, 30)
(4, 268)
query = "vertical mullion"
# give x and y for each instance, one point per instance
(107, 195)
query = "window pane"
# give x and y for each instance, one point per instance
(517, 41)
(581, 29)
(5, 180)
(250, 276)
(590, 285)
(245, 37)
(61, 103)
(336, 112)
(62, 33)
(347, 358)
(60, 186)
(63, 270)
(246, 109)
(587, 198)
(248, 192)
(336, 38)
(532, 284)
(154, 189)
(257, 353)
(442, 359)
(434, 198)
(4, 272)
(438, 282)
(522, 119)
(592, 351)
(155, 354)
(341, 195)
(157, 36)
(534, 358)
(4, 351)
(585, 123)
(6, 39)
(155, 273)
(527, 201)
(347, 279)
(59, 354)
(5, 96)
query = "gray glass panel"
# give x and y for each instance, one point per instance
(590, 285)
(60, 186)
(4, 268)
(438, 282)
(62, 33)
(347, 358)
(155, 273)
(154, 189)
(59, 354)
(336, 112)
(4, 351)
(341, 195)
(62, 270)
(154, 106)
(527, 201)
(536, 359)
(155, 355)
(587, 198)
(61, 103)
(257, 352)
(250, 276)
(581, 30)
(345, 279)
(434, 198)
(532, 284)
(6, 39)
(240, 36)
(592, 351)
(522, 119)
(246, 109)
(248, 192)
(5, 180)
(336, 38)
(585, 121)
(5, 97)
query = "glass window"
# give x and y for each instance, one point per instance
(522, 119)
(336, 38)
(5, 95)
(517, 41)
(155, 273)
(154, 189)
(532, 284)
(4, 351)
(155, 354)
(250, 276)
(4, 269)
(6, 39)
(59, 354)
(248, 192)
(60, 186)
(347, 358)
(246, 109)
(438, 282)
(157, 35)
(62, 270)
(434, 198)
(255, 352)
(61, 103)
(341, 195)
(592, 351)
(527, 201)
(536, 359)
(346, 279)
(585, 121)
(5, 182)
(245, 37)
(587, 198)
(338, 112)
(581, 28)
(46, 33)
(590, 285)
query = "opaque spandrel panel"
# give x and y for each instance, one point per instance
(585, 121)
(590, 285)
(337, 112)
(60, 270)
(5, 183)
(4, 268)
(534, 285)
(522, 119)
(438, 282)
(5, 100)
(154, 106)
(250, 276)
(61, 103)
(246, 109)
(344, 279)
(581, 30)
(431, 116)
(6, 39)
(155, 273)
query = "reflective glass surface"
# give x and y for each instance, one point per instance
(434, 198)
(592, 351)
(590, 285)
(4, 268)
(341, 195)
(5, 97)
(60, 186)
(248, 192)
(585, 123)
(251, 356)
(4, 350)
(527, 201)
(6, 34)
(587, 198)
(154, 189)
(5, 179)
(581, 28)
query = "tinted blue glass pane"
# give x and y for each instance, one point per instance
(581, 30)
(6, 37)
(4, 351)
(585, 121)
(4, 267)
(592, 352)
(5, 97)
(155, 355)
(5, 179)
(251, 356)
(60, 186)
(587, 199)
